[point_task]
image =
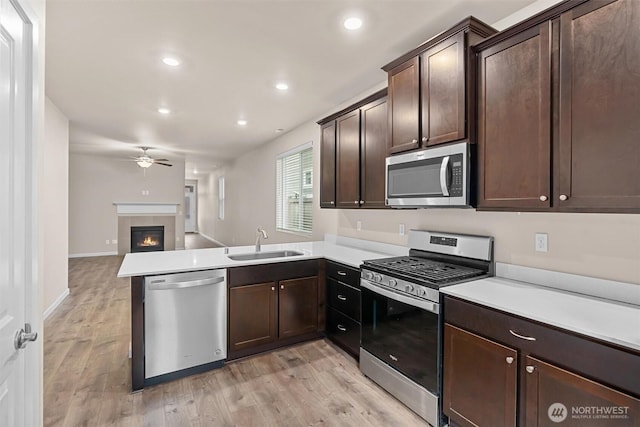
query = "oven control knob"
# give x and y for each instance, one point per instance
(408, 288)
(421, 292)
(377, 277)
(368, 275)
(393, 282)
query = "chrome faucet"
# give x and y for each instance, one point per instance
(260, 233)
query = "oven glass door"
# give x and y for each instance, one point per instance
(403, 336)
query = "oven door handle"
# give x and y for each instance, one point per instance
(423, 304)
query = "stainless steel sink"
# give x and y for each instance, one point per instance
(263, 255)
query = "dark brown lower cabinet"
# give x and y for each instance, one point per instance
(505, 370)
(298, 307)
(257, 326)
(559, 397)
(273, 305)
(478, 371)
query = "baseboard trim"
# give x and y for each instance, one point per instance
(49, 311)
(211, 239)
(92, 254)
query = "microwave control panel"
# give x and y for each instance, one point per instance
(457, 175)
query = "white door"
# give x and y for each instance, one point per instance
(19, 368)
(190, 208)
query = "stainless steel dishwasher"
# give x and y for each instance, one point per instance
(185, 324)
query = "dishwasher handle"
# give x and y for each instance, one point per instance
(162, 285)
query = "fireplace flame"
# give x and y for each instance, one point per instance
(148, 241)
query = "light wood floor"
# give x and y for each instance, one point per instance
(87, 383)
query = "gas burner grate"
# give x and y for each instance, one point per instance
(423, 269)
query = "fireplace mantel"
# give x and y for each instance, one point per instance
(154, 209)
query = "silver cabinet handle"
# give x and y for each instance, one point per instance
(563, 197)
(509, 360)
(24, 336)
(341, 273)
(443, 176)
(392, 357)
(413, 141)
(355, 202)
(543, 198)
(362, 202)
(281, 286)
(342, 328)
(522, 337)
(161, 285)
(331, 202)
(425, 139)
(342, 298)
(530, 369)
(273, 288)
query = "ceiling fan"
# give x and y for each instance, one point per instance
(146, 161)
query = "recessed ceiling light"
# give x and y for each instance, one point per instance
(195, 171)
(352, 23)
(163, 110)
(279, 130)
(242, 122)
(171, 61)
(282, 86)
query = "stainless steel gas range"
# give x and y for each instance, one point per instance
(401, 344)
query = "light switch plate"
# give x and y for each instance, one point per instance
(358, 225)
(401, 230)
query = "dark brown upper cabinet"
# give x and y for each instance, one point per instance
(557, 111)
(348, 160)
(430, 89)
(514, 121)
(328, 165)
(358, 135)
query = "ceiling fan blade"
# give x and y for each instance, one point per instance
(163, 164)
(161, 160)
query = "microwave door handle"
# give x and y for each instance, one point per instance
(443, 176)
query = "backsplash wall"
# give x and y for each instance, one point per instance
(599, 245)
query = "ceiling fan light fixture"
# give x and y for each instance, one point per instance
(144, 163)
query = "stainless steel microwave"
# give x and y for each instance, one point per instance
(434, 177)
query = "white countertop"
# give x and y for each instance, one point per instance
(608, 320)
(151, 263)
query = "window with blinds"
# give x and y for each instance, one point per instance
(294, 190)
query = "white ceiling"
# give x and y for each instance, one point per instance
(104, 66)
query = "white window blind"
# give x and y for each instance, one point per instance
(294, 190)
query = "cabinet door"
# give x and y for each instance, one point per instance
(252, 315)
(373, 151)
(348, 160)
(404, 106)
(555, 396)
(298, 307)
(514, 119)
(480, 386)
(328, 165)
(599, 147)
(443, 91)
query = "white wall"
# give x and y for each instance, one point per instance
(96, 182)
(54, 207)
(599, 245)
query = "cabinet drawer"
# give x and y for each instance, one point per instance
(342, 273)
(583, 355)
(343, 331)
(344, 298)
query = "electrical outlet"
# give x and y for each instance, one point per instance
(114, 242)
(401, 229)
(107, 242)
(542, 242)
(358, 225)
